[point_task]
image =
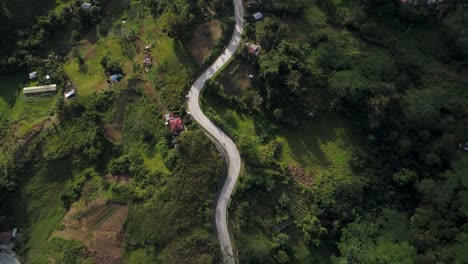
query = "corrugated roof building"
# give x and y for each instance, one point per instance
(86, 6)
(40, 90)
(258, 16)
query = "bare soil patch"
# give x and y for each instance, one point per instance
(99, 226)
(113, 133)
(236, 79)
(298, 173)
(204, 38)
(117, 178)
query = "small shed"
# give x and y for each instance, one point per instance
(33, 75)
(40, 90)
(147, 60)
(176, 125)
(116, 78)
(86, 6)
(258, 16)
(70, 94)
(254, 49)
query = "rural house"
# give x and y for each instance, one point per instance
(176, 126)
(175, 123)
(40, 90)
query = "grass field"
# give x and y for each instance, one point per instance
(156, 164)
(40, 208)
(24, 113)
(9, 88)
(91, 77)
(31, 112)
(172, 66)
(319, 145)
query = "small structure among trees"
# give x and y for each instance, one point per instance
(254, 49)
(86, 6)
(147, 62)
(176, 126)
(116, 78)
(33, 75)
(175, 123)
(43, 90)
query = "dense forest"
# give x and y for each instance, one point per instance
(398, 72)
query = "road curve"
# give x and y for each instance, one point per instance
(6, 258)
(233, 156)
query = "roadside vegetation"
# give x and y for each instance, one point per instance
(349, 123)
(99, 177)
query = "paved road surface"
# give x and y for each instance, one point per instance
(233, 157)
(8, 259)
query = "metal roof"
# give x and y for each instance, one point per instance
(40, 89)
(70, 93)
(258, 15)
(33, 75)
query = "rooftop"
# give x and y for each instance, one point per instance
(40, 89)
(86, 6)
(258, 15)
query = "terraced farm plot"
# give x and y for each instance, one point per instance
(99, 227)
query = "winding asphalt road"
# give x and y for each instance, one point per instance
(233, 156)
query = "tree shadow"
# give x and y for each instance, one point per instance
(305, 141)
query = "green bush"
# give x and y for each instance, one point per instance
(66, 251)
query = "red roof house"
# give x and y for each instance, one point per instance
(176, 125)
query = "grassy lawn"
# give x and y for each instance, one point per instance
(42, 207)
(91, 78)
(155, 163)
(138, 257)
(9, 87)
(30, 112)
(321, 145)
